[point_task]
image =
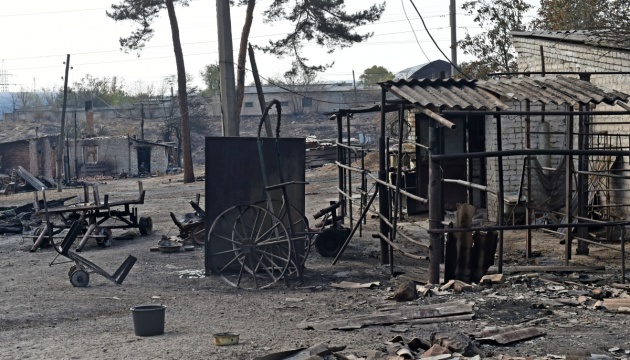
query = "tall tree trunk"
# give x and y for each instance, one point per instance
(242, 52)
(182, 94)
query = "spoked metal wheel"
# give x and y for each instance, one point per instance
(249, 247)
(297, 225)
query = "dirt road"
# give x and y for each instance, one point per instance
(42, 316)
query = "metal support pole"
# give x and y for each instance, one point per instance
(436, 248)
(500, 195)
(568, 162)
(63, 125)
(340, 158)
(349, 184)
(582, 180)
(528, 144)
(76, 161)
(383, 193)
(623, 254)
(453, 23)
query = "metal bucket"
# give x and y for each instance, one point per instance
(148, 320)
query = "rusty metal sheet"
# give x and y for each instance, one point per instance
(510, 334)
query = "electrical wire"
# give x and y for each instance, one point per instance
(436, 44)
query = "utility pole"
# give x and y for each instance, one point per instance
(63, 123)
(226, 66)
(453, 22)
(142, 123)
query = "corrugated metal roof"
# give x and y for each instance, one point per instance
(552, 89)
(586, 37)
(450, 93)
(488, 95)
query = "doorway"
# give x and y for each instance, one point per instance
(144, 160)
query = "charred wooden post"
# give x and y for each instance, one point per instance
(436, 249)
(383, 192)
(528, 144)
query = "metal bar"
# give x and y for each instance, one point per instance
(418, 145)
(528, 163)
(538, 113)
(623, 254)
(408, 194)
(349, 173)
(347, 241)
(501, 196)
(521, 227)
(393, 246)
(383, 198)
(435, 213)
(340, 155)
(353, 148)
(582, 180)
(487, 154)
(568, 162)
(350, 168)
(469, 184)
(602, 174)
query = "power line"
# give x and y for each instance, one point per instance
(436, 45)
(402, 2)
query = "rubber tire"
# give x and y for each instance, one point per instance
(145, 225)
(80, 278)
(46, 242)
(329, 242)
(104, 242)
(200, 238)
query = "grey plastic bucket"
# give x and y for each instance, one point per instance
(148, 320)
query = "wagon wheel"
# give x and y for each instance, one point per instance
(249, 247)
(198, 234)
(79, 278)
(301, 237)
(145, 225)
(106, 240)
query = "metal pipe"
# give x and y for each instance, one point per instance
(393, 246)
(408, 194)
(623, 254)
(538, 113)
(487, 154)
(528, 162)
(568, 162)
(501, 194)
(520, 227)
(383, 198)
(582, 180)
(469, 184)
(435, 215)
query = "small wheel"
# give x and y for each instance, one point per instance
(145, 225)
(249, 247)
(79, 278)
(329, 242)
(107, 240)
(198, 234)
(72, 269)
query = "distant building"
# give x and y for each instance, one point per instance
(438, 69)
(310, 99)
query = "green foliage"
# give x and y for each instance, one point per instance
(569, 14)
(375, 74)
(211, 77)
(143, 13)
(493, 48)
(104, 91)
(609, 20)
(326, 22)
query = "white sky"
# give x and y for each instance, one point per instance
(36, 35)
